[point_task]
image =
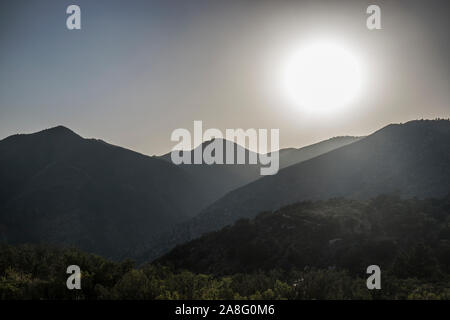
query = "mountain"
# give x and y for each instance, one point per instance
(58, 187)
(332, 234)
(412, 159)
(290, 156)
(219, 179)
(223, 178)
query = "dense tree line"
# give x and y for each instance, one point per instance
(309, 250)
(408, 237)
(38, 272)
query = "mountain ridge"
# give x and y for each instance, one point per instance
(223, 178)
(411, 158)
(58, 187)
(327, 234)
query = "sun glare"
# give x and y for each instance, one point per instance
(321, 76)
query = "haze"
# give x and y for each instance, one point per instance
(140, 69)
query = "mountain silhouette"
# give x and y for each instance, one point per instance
(411, 159)
(338, 233)
(291, 156)
(219, 179)
(60, 188)
(57, 187)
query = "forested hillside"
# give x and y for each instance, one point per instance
(39, 272)
(57, 187)
(411, 238)
(411, 159)
(309, 250)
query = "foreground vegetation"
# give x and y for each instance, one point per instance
(409, 237)
(310, 250)
(38, 272)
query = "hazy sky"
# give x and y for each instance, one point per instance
(137, 70)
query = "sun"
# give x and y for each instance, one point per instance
(321, 76)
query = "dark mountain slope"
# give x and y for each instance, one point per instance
(223, 178)
(412, 159)
(219, 179)
(58, 187)
(291, 156)
(337, 233)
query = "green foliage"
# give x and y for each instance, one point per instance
(411, 237)
(24, 275)
(311, 250)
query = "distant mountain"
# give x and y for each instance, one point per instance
(290, 156)
(412, 159)
(219, 179)
(332, 234)
(59, 188)
(223, 178)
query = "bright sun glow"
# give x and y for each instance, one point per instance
(322, 76)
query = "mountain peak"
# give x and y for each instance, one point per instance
(58, 131)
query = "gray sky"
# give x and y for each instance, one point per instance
(140, 69)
